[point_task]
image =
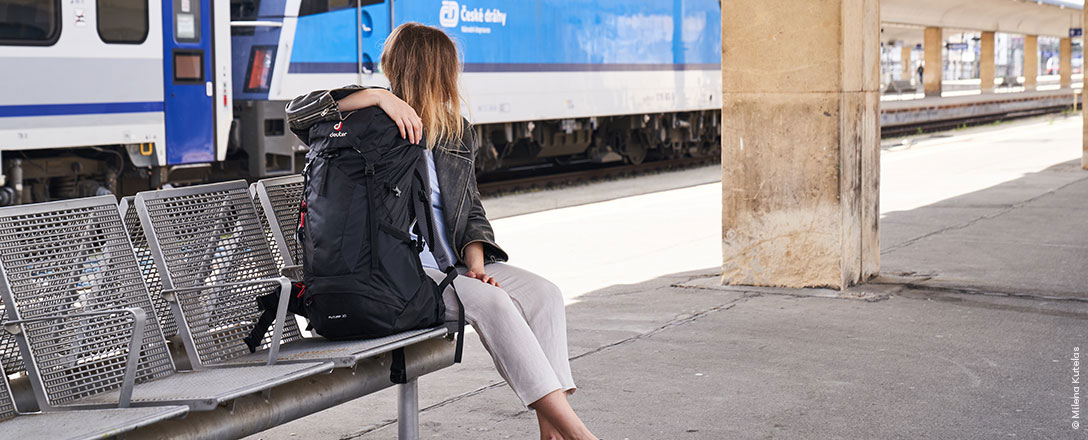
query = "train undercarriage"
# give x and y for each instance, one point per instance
(261, 147)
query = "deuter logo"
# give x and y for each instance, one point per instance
(338, 316)
(448, 16)
(338, 133)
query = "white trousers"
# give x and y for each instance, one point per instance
(523, 325)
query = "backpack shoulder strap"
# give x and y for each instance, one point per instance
(426, 225)
(451, 274)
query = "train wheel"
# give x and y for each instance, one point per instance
(634, 150)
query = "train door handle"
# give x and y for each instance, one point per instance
(209, 89)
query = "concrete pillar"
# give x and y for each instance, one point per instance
(800, 142)
(934, 60)
(1066, 63)
(1031, 61)
(908, 71)
(986, 63)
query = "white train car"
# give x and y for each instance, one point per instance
(121, 95)
(543, 79)
(96, 87)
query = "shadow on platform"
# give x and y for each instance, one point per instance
(1026, 236)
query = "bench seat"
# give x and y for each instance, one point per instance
(206, 389)
(343, 353)
(86, 424)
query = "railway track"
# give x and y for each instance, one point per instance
(954, 123)
(507, 183)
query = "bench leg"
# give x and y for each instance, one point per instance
(408, 411)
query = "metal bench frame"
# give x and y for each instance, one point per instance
(95, 278)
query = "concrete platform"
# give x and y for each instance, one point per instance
(917, 111)
(968, 336)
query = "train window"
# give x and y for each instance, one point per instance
(259, 72)
(122, 21)
(244, 9)
(189, 66)
(30, 22)
(187, 21)
(311, 7)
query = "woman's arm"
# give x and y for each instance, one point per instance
(411, 126)
(479, 237)
(325, 105)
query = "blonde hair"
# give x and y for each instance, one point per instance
(422, 65)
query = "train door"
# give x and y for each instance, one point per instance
(189, 89)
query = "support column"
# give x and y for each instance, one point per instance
(1066, 63)
(908, 72)
(986, 63)
(1031, 62)
(800, 142)
(934, 60)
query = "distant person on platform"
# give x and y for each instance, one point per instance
(921, 74)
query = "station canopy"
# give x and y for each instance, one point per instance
(903, 20)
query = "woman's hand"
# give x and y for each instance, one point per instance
(474, 259)
(479, 274)
(409, 123)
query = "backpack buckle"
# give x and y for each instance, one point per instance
(369, 169)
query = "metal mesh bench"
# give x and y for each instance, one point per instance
(147, 267)
(213, 262)
(80, 424)
(76, 300)
(900, 86)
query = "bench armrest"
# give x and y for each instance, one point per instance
(293, 272)
(281, 306)
(139, 324)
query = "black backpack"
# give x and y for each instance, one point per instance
(365, 187)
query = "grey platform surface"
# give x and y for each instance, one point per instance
(205, 389)
(85, 424)
(342, 353)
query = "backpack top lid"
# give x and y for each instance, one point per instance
(364, 129)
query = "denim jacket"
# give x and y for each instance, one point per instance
(465, 219)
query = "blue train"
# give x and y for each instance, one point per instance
(121, 95)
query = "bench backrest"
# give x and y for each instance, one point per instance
(147, 266)
(202, 236)
(66, 258)
(278, 200)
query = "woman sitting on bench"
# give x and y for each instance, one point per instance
(519, 315)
